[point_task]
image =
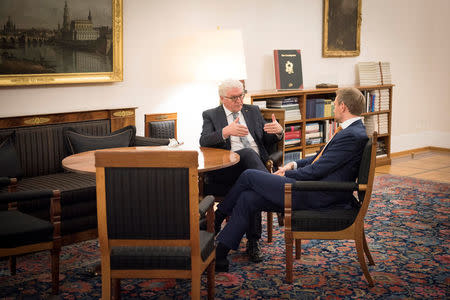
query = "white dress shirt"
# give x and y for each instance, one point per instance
(235, 141)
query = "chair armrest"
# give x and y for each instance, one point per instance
(337, 186)
(205, 204)
(276, 157)
(148, 141)
(5, 181)
(26, 195)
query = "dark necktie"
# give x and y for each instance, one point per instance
(244, 139)
(321, 152)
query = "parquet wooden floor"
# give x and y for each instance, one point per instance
(428, 165)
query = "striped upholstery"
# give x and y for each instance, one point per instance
(78, 199)
(41, 148)
(148, 258)
(140, 206)
(150, 203)
(162, 129)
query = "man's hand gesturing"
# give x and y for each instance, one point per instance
(273, 127)
(235, 129)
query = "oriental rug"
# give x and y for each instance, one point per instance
(408, 232)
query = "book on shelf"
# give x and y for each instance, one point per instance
(292, 134)
(289, 128)
(313, 134)
(312, 127)
(260, 104)
(292, 156)
(288, 69)
(314, 141)
(292, 143)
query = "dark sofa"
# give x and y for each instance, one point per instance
(40, 147)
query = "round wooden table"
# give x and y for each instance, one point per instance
(209, 159)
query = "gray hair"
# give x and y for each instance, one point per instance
(229, 84)
(353, 99)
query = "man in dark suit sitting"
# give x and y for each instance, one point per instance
(257, 191)
(241, 128)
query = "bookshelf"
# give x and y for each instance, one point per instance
(377, 117)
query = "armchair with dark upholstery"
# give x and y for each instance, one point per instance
(22, 233)
(333, 224)
(161, 125)
(148, 218)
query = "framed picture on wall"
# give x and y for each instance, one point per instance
(341, 27)
(60, 42)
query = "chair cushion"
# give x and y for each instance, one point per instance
(77, 142)
(9, 161)
(318, 220)
(78, 199)
(146, 258)
(19, 229)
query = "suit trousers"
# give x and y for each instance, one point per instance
(254, 191)
(226, 178)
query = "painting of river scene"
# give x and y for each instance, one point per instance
(57, 37)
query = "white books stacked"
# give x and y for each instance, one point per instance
(384, 99)
(261, 104)
(374, 73)
(289, 104)
(292, 112)
(386, 72)
(369, 73)
(378, 123)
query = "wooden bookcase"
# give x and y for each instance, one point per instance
(384, 137)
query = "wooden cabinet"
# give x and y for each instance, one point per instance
(377, 117)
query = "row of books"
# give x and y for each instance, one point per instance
(319, 108)
(377, 100)
(378, 123)
(381, 148)
(374, 73)
(314, 133)
(292, 136)
(289, 104)
(292, 156)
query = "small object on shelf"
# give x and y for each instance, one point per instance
(326, 85)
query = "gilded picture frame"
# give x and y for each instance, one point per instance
(341, 28)
(77, 41)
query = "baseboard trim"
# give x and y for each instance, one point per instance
(423, 149)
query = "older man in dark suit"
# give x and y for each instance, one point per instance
(241, 128)
(257, 191)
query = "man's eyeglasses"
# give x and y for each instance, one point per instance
(236, 98)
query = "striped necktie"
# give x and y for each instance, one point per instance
(244, 139)
(321, 152)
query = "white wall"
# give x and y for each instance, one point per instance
(411, 34)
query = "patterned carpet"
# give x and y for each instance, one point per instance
(408, 234)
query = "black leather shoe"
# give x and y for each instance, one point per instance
(254, 251)
(222, 265)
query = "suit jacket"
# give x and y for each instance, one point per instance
(339, 162)
(214, 120)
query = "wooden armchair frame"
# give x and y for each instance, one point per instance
(353, 232)
(154, 159)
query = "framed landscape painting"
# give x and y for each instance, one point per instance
(341, 27)
(60, 42)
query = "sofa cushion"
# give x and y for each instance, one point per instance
(78, 199)
(41, 148)
(77, 142)
(9, 161)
